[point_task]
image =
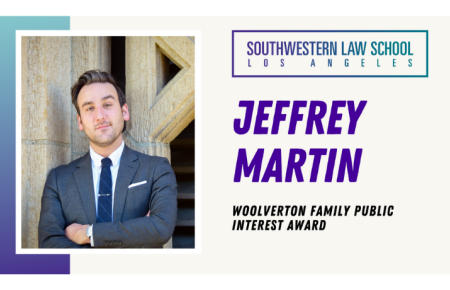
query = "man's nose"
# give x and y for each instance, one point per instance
(100, 114)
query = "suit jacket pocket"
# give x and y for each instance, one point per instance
(143, 187)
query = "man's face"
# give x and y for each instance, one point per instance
(101, 116)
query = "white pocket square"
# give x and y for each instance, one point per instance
(137, 184)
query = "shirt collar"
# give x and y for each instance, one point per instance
(115, 156)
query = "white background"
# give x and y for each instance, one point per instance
(330, 8)
(403, 133)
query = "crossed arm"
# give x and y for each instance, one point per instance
(152, 230)
(78, 233)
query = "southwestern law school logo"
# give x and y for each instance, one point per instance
(330, 53)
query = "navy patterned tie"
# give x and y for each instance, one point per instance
(104, 202)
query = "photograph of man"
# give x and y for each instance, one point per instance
(112, 197)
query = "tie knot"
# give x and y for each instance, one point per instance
(106, 162)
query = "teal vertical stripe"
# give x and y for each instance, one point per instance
(10, 263)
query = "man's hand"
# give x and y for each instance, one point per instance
(77, 234)
(148, 214)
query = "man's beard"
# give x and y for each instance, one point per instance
(106, 141)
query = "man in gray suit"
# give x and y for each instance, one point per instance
(112, 197)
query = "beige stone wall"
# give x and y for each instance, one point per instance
(50, 138)
(159, 109)
(45, 127)
(158, 114)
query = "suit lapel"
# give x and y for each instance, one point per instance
(128, 166)
(85, 183)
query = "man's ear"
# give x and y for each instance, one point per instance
(80, 125)
(125, 113)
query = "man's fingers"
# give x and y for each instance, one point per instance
(148, 214)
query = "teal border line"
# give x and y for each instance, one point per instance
(427, 52)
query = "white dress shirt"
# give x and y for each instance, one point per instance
(96, 161)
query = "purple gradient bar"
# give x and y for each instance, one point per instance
(10, 263)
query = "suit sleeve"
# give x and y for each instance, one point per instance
(52, 222)
(153, 231)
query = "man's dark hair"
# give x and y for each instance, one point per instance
(96, 76)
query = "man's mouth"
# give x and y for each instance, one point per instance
(102, 127)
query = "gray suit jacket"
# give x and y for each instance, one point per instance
(69, 198)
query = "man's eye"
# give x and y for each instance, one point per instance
(107, 105)
(90, 109)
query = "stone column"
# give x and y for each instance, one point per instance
(45, 127)
(50, 135)
(159, 109)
